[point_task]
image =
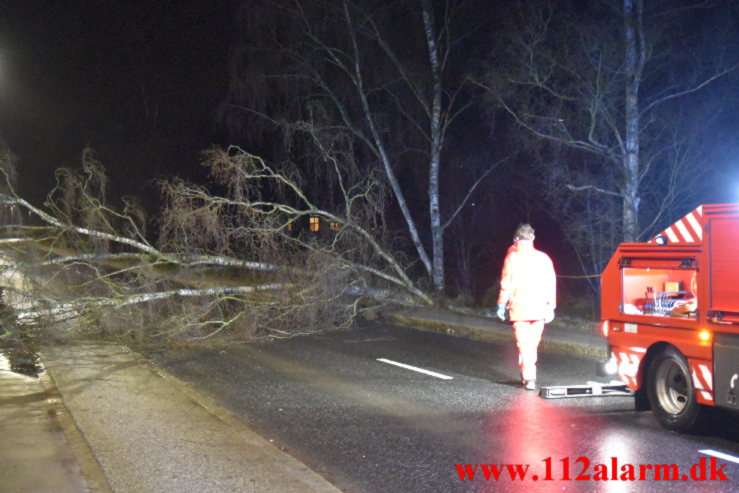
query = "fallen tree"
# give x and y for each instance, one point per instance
(231, 264)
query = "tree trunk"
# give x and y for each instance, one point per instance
(437, 230)
(633, 64)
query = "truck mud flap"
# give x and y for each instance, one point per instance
(726, 371)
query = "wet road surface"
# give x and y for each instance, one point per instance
(371, 426)
(34, 452)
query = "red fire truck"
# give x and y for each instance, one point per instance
(670, 310)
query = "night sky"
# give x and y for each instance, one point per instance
(138, 81)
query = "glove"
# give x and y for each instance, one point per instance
(550, 315)
(501, 311)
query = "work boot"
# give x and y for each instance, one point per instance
(530, 385)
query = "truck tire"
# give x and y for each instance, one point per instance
(671, 392)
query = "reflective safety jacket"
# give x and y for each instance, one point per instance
(528, 283)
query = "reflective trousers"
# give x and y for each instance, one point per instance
(528, 335)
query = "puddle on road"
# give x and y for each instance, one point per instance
(21, 360)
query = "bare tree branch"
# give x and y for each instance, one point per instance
(690, 90)
(471, 190)
(594, 188)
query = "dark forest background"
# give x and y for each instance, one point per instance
(596, 121)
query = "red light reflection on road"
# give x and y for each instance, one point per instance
(530, 430)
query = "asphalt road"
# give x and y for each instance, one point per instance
(371, 426)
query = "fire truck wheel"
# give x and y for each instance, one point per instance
(671, 392)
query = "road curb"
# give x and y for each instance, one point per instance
(567, 347)
(89, 466)
(450, 328)
(115, 368)
(549, 343)
(290, 464)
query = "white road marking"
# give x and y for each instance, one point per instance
(720, 455)
(376, 339)
(414, 368)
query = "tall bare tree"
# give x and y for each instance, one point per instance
(619, 83)
(378, 74)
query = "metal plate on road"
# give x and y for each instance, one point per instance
(591, 389)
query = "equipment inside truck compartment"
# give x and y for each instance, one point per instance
(656, 289)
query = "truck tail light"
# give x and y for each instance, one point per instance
(604, 328)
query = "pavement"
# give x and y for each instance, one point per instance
(99, 417)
